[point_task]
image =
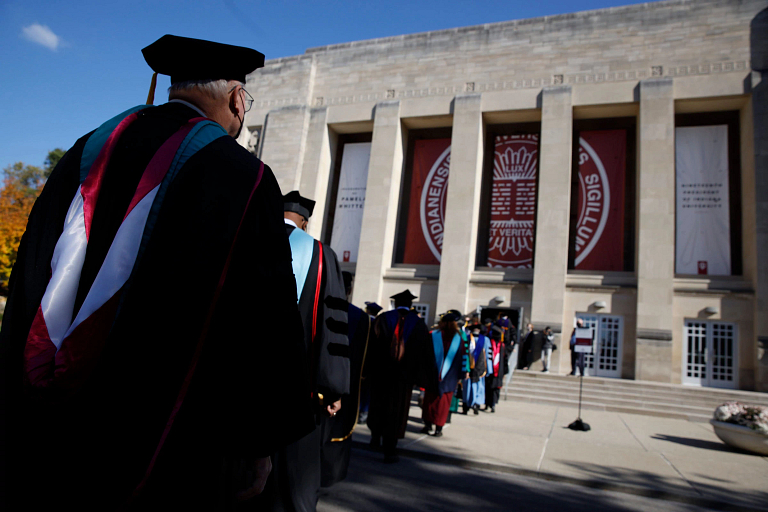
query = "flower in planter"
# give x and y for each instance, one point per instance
(754, 417)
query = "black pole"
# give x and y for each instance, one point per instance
(578, 424)
(581, 384)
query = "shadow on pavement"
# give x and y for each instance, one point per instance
(696, 443)
(417, 485)
(718, 497)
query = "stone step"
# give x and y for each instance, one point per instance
(625, 396)
(587, 405)
(571, 387)
(639, 387)
(629, 402)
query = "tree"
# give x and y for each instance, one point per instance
(52, 160)
(21, 187)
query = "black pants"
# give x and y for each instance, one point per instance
(491, 396)
(577, 361)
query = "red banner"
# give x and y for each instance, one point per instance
(599, 243)
(513, 201)
(426, 211)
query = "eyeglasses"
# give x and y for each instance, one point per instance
(248, 101)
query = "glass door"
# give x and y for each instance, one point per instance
(605, 361)
(710, 354)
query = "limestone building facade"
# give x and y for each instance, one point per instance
(476, 163)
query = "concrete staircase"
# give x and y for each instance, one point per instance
(629, 396)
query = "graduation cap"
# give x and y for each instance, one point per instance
(294, 202)
(373, 308)
(404, 298)
(184, 58)
(452, 315)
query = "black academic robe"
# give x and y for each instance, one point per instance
(392, 379)
(296, 476)
(91, 450)
(337, 431)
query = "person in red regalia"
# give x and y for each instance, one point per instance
(133, 374)
(451, 349)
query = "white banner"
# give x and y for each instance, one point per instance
(703, 222)
(350, 201)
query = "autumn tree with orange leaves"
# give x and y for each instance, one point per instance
(21, 186)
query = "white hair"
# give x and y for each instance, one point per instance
(216, 89)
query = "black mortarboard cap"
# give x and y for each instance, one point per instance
(184, 58)
(373, 308)
(294, 202)
(451, 315)
(404, 298)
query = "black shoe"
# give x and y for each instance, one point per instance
(475, 410)
(426, 430)
(439, 433)
(493, 409)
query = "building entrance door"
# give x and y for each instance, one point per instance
(605, 361)
(710, 354)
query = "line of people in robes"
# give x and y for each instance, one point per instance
(454, 355)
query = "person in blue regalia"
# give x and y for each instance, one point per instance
(451, 362)
(473, 388)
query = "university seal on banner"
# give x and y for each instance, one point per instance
(513, 201)
(594, 204)
(432, 204)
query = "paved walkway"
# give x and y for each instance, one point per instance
(658, 457)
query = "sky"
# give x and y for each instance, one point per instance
(66, 67)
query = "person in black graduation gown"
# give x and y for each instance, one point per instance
(498, 354)
(372, 309)
(296, 479)
(337, 430)
(152, 406)
(398, 357)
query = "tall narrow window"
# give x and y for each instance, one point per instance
(513, 201)
(600, 221)
(425, 187)
(708, 208)
(350, 201)
(602, 196)
(346, 197)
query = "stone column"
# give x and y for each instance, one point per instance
(553, 208)
(462, 204)
(760, 123)
(382, 198)
(656, 230)
(316, 168)
(285, 134)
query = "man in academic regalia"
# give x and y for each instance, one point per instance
(372, 309)
(496, 363)
(296, 479)
(473, 388)
(337, 430)
(131, 373)
(397, 359)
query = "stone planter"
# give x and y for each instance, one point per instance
(740, 437)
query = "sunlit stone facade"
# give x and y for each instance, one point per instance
(641, 71)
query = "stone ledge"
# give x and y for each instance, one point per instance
(650, 336)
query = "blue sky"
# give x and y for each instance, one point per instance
(65, 67)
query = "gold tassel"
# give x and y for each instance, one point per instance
(151, 95)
